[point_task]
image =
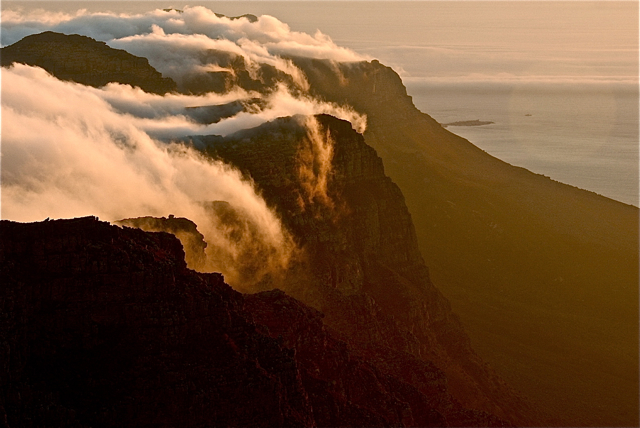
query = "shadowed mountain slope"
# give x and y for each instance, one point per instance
(103, 326)
(543, 275)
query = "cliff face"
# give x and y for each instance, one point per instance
(84, 60)
(363, 267)
(103, 326)
(542, 274)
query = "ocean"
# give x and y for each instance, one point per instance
(559, 80)
(585, 135)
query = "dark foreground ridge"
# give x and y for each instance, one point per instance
(106, 326)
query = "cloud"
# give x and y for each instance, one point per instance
(166, 117)
(179, 45)
(66, 151)
(167, 37)
(70, 150)
(314, 160)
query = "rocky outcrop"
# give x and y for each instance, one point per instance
(84, 60)
(182, 228)
(105, 326)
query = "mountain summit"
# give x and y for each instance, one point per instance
(84, 60)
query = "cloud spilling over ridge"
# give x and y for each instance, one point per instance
(71, 150)
(197, 41)
(174, 41)
(67, 152)
(165, 117)
(314, 165)
(274, 35)
(179, 55)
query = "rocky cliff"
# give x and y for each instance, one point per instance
(363, 268)
(105, 326)
(543, 275)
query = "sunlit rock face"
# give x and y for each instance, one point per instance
(84, 60)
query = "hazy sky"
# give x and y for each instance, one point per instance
(450, 40)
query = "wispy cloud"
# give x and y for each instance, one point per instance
(82, 156)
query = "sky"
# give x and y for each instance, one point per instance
(452, 40)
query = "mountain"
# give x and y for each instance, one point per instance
(359, 264)
(543, 275)
(84, 60)
(106, 326)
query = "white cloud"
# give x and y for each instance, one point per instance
(67, 152)
(70, 150)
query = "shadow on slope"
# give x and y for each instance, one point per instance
(543, 275)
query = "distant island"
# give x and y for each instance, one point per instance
(468, 123)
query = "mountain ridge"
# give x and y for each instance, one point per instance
(515, 252)
(106, 326)
(530, 264)
(84, 60)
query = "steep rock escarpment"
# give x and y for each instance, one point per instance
(84, 60)
(105, 326)
(543, 275)
(364, 269)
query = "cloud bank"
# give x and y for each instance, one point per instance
(70, 150)
(174, 41)
(81, 156)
